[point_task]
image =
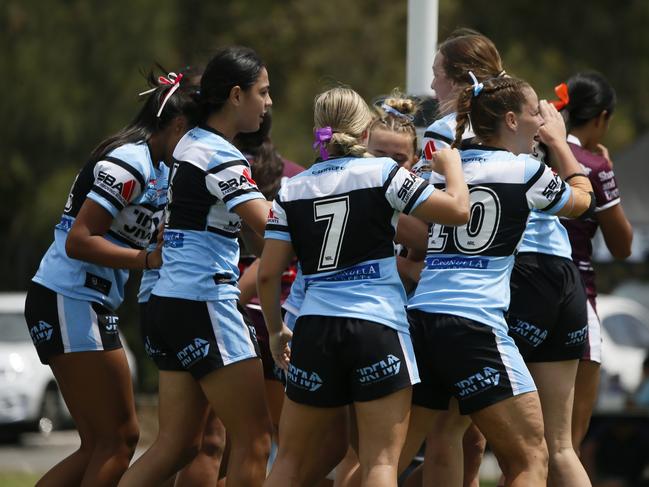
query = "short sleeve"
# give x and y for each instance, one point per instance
(116, 184)
(276, 223)
(232, 183)
(404, 190)
(546, 191)
(607, 194)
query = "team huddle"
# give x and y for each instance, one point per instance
(395, 297)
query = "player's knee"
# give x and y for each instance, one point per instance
(529, 455)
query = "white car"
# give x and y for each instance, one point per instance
(625, 344)
(29, 395)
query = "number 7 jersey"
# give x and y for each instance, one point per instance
(467, 268)
(340, 216)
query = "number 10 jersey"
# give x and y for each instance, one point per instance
(467, 268)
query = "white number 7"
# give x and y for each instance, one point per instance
(334, 211)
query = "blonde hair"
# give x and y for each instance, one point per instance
(403, 122)
(348, 115)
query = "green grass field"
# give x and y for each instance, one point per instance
(15, 479)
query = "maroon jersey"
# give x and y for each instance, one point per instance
(607, 194)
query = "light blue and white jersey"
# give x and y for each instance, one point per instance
(150, 276)
(546, 235)
(340, 216)
(467, 268)
(208, 180)
(439, 135)
(129, 186)
(295, 298)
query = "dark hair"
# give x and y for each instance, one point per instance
(467, 50)
(267, 165)
(230, 67)
(146, 122)
(589, 95)
(486, 110)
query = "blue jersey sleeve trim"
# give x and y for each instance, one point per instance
(425, 190)
(277, 235)
(125, 165)
(248, 196)
(105, 200)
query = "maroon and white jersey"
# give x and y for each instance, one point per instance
(607, 195)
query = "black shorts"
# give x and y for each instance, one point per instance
(336, 361)
(547, 315)
(477, 364)
(197, 336)
(271, 370)
(59, 324)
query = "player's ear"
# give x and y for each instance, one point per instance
(511, 122)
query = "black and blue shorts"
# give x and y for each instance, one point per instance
(59, 324)
(197, 336)
(336, 361)
(458, 357)
(548, 315)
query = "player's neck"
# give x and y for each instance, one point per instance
(224, 123)
(584, 136)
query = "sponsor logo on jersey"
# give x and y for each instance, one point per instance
(41, 333)
(577, 337)
(456, 263)
(193, 352)
(478, 382)
(302, 379)
(248, 176)
(551, 188)
(381, 370)
(152, 193)
(272, 217)
(118, 188)
(609, 184)
(327, 169)
(233, 184)
(173, 240)
(355, 273)
(407, 187)
(65, 224)
(612, 194)
(429, 150)
(138, 224)
(530, 333)
(605, 175)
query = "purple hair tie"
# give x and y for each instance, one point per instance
(322, 136)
